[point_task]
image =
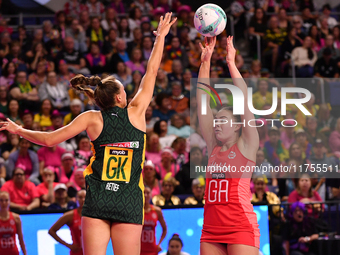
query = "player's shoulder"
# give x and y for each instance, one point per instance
(157, 209)
(16, 217)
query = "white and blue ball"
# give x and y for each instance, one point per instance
(210, 20)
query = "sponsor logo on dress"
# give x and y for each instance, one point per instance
(232, 155)
(112, 186)
(134, 144)
(119, 152)
(12, 222)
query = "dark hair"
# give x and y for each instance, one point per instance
(41, 103)
(175, 237)
(264, 18)
(81, 137)
(236, 117)
(5, 70)
(318, 37)
(157, 126)
(105, 90)
(133, 12)
(160, 97)
(120, 31)
(176, 141)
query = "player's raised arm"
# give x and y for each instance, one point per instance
(146, 88)
(249, 135)
(206, 121)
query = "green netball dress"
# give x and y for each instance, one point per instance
(115, 189)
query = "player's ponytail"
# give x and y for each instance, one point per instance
(104, 93)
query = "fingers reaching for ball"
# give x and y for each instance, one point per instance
(231, 52)
(164, 24)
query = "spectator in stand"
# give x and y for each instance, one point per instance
(186, 42)
(301, 139)
(198, 186)
(326, 11)
(83, 153)
(326, 122)
(183, 12)
(109, 47)
(77, 32)
(177, 70)
(299, 231)
(118, 6)
(144, 6)
(149, 178)
(324, 28)
(262, 96)
(240, 9)
(180, 154)
(263, 165)
(28, 159)
(39, 76)
(308, 19)
(10, 146)
(13, 111)
(27, 118)
(287, 133)
(24, 92)
(334, 138)
(177, 52)
(124, 31)
(166, 197)
(134, 18)
(164, 111)
(179, 102)
(84, 19)
(153, 148)
(161, 128)
(96, 33)
(161, 83)
(123, 74)
(283, 19)
(333, 188)
(336, 36)
(262, 129)
(166, 62)
(312, 133)
(178, 126)
(45, 189)
(132, 88)
(96, 61)
(175, 246)
(8, 73)
(5, 40)
(274, 150)
(297, 23)
(150, 121)
(44, 117)
(23, 194)
(317, 42)
(75, 108)
(65, 172)
(304, 58)
(72, 57)
(137, 40)
(55, 45)
(120, 56)
(167, 164)
(257, 26)
(49, 156)
(311, 107)
(60, 21)
(55, 91)
(64, 75)
(57, 120)
(3, 99)
(329, 43)
(95, 8)
(147, 29)
(274, 36)
(110, 21)
(296, 154)
(46, 32)
(61, 199)
(146, 46)
(305, 194)
(73, 8)
(136, 63)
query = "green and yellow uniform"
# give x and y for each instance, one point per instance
(115, 189)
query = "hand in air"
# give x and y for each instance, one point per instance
(231, 52)
(164, 25)
(10, 126)
(208, 48)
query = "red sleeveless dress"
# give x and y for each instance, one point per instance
(229, 217)
(75, 229)
(8, 230)
(149, 246)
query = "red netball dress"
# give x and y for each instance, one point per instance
(8, 230)
(149, 246)
(228, 214)
(75, 229)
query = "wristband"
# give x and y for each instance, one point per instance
(307, 238)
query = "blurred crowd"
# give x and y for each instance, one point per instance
(116, 38)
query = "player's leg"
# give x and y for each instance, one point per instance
(241, 249)
(213, 248)
(126, 238)
(95, 235)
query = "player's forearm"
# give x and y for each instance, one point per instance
(156, 55)
(203, 77)
(36, 137)
(162, 236)
(237, 77)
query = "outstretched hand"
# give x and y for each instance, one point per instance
(208, 49)
(231, 51)
(10, 126)
(164, 25)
